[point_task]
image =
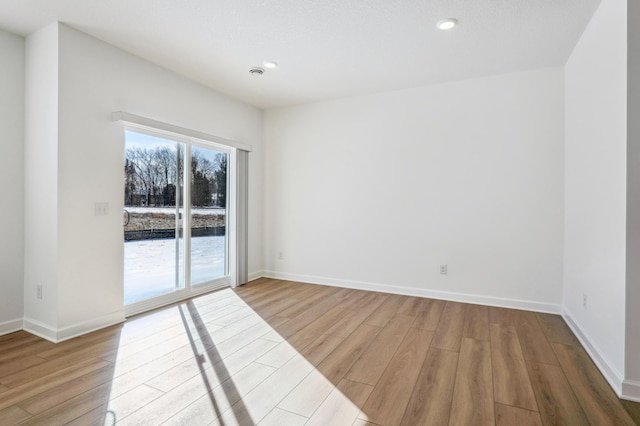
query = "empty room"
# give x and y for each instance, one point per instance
(366, 213)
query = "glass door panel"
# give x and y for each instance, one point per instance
(208, 215)
(154, 243)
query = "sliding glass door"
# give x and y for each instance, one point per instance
(171, 186)
(208, 251)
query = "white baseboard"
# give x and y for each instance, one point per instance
(255, 275)
(10, 326)
(39, 329)
(420, 292)
(631, 390)
(58, 335)
(610, 373)
(93, 324)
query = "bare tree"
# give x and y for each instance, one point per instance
(153, 174)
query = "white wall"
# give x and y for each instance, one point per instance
(632, 364)
(41, 179)
(382, 189)
(595, 182)
(96, 79)
(12, 178)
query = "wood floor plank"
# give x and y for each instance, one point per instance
(308, 334)
(369, 368)
(342, 406)
(211, 406)
(429, 317)
(336, 365)
(98, 416)
(59, 394)
(279, 355)
(319, 295)
(448, 334)
(133, 400)
(511, 382)
(275, 307)
(557, 330)
(473, 392)
(41, 369)
(412, 306)
(633, 408)
(221, 335)
(431, 399)
(305, 318)
(71, 409)
(320, 348)
(233, 317)
(30, 348)
(352, 298)
(20, 340)
(25, 391)
(13, 366)
(556, 401)
(278, 417)
(307, 396)
(390, 397)
(476, 322)
(363, 422)
(259, 289)
(502, 316)
(534, 343)
(266, 396)
(510, 416)
(265, 298)
(13, 415)
(299, 293)
(597, 399)
(210, 313)
(388, 309)
(16, 336)
(352, 318)
(103, 339)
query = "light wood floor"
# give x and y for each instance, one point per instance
(283, 353)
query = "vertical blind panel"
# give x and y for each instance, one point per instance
(242, 218)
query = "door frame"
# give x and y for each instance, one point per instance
(230, 279)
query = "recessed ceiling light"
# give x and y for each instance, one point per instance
(256, 71)
(447, 24)
(270, 64)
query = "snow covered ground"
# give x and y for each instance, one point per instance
(150, 265)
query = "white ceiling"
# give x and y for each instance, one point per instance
(325, 48)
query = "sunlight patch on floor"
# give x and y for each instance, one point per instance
(216, 361)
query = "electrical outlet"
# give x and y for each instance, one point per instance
(280, 255)
(39, 291)
(443, 269)
(584, 301)
(101, 209)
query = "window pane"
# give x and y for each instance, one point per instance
(208, 214)
(154, 244)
